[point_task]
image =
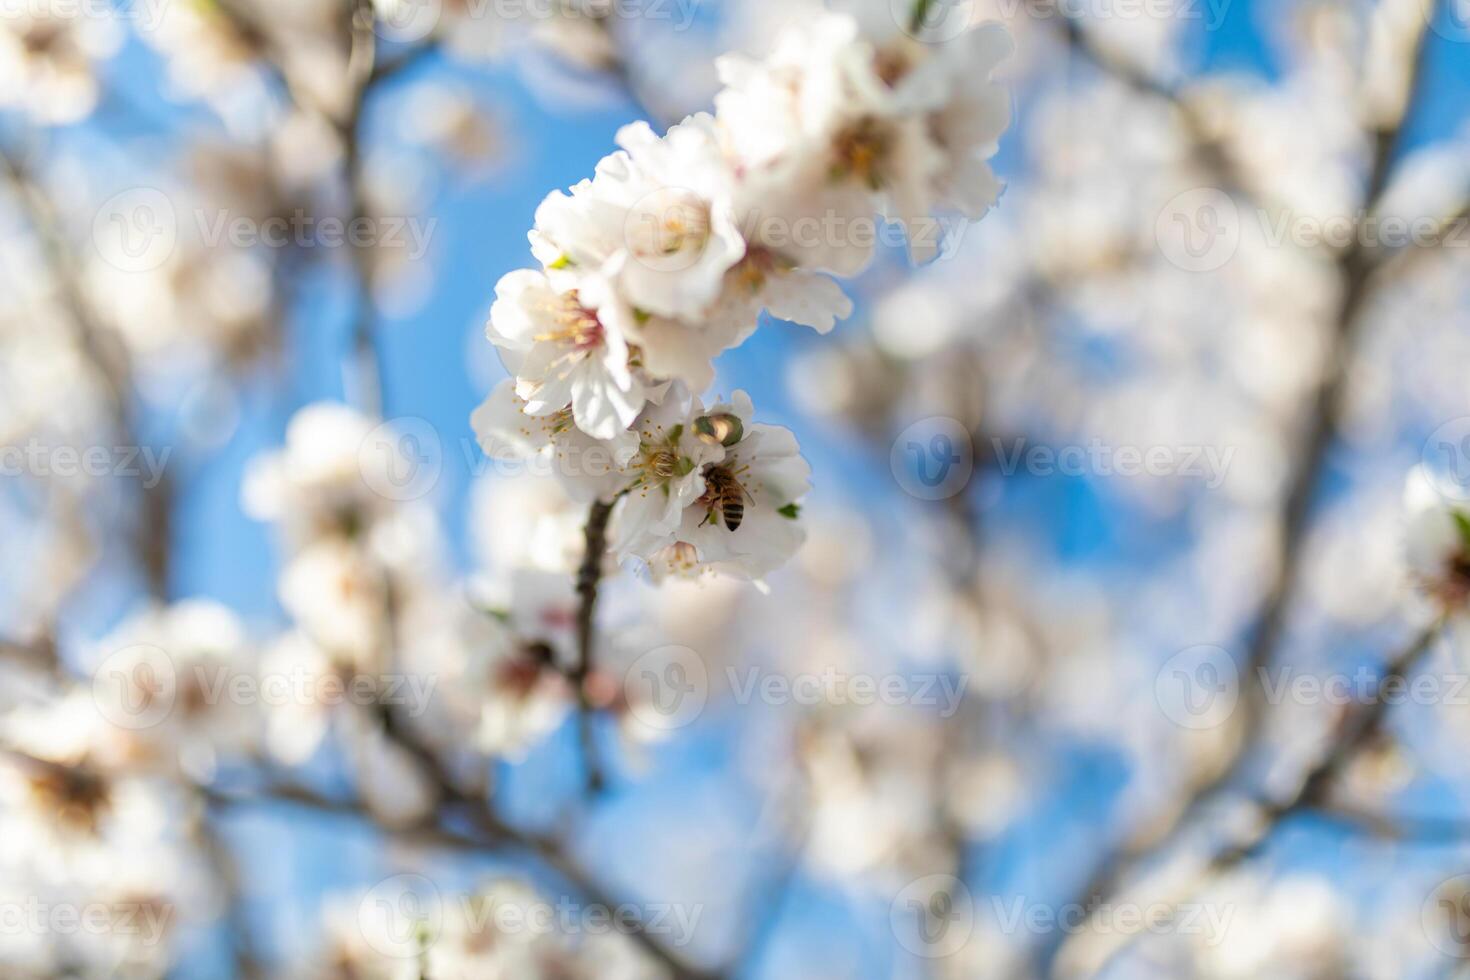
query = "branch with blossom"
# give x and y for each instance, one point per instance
(670, 254)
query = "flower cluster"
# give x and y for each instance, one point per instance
(671, 252)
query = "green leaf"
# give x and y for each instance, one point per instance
(790, 511)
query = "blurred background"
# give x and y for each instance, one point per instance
(1078, 674)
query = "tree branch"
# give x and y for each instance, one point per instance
(1354, 266)
(1092, 952)
(496, 833)
(588, 577)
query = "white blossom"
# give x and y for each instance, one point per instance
(551, 444)
(743, 514)
(850, 122)
(562, 353)
(169, 678)
(1436, 541)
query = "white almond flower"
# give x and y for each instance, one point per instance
(680, 230)
(587, 239)
(562, 353)
(676, 349)
(850, 116)
(494, 689)
(527, 522)
(166, 682)
(967, 127)
(667, 474)
(316, 484)
(782, 116)
(508, 929)
(1436, 541)
(365, 938)
(950, 88)
(769, 278)
(337, 593)
(589, 469)
(581, 229)
(48, 59)
(64, 809)
(300, 676)
(661, 233)
(744, 522)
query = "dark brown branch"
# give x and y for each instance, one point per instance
(1398, 828)
(588, 577)
(367, 367)
(495, 833)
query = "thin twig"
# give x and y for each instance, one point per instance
(1449, 231)
(1399, 828)
(588, 577)
(550, 850)
(367, 373)
(40, 655)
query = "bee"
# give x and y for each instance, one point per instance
(724, 496)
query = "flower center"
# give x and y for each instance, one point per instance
(673, 226)
(891, 66)
(662, 464)
(758, 265)
(861, 150)
(1454, 591)
(576, 327)
(74, 796)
